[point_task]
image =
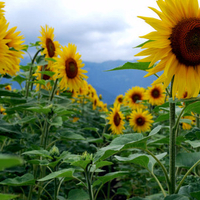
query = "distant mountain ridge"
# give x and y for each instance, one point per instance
(108, 83)
(112, 83)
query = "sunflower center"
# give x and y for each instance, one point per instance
(117, 119)
(45, 77)
(140, 121)
(155, 93)
(71, 68)
(185, 41)
(50, 47)
(120, 99)
(136, 97)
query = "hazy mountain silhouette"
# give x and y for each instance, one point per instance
(108, 83)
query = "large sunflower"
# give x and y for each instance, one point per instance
(176, 44)
(116, 120)
(155, 94)
(141, 121)
(134, 96)
(2, 5)
(11, 48)
(47, 42)
(69, 69)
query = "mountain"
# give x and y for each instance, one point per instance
(112, 83)
(109, 83)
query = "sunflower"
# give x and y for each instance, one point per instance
(176, 43)
(8, 87)
(155, 94)
(2, 5)
(134, 96)
(119, 99)
(45, 77)
(47, 42)
(69, 69)
(188, 126)
(141, 121)
(11, 48)
(2, 110)
(116, 120)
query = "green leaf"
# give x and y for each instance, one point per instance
(162, 118)
(187, 160)
(12, 101)
(7, 196)
(194, 144)
(143, 160)
(155, 130)
(81, 163)
(19, 79)
(137, 65)
(9, 93)
(62, 173)
(11, 131)
(102, 164)
(66, 134)
(176, 197)
(43, 153)
(40, 109)
(77, 194)
(48, 73)
(27, 119)
(26, 179)
(108, 177)
(123, 142)
(7, 161)
(193, 107)
(141, 45)
(57, 121)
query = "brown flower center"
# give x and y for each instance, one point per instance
(136, 97)
(140, 121)
(45, 77)
(71, 68)
(185, 41)
(120, 99)
(155, 93)
(117, 119)
(50, 47)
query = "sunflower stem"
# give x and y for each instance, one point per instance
(172, 146)
(31, 72)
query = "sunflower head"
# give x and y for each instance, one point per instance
(155, 94)
(188, 126)
(69, 66)
(141, 121)
(134, 97)
(47, 42)
(2, 110)
(116, 120)
(176, 44)
(119, 99)
(8, 87)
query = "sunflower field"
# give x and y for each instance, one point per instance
(60, 141)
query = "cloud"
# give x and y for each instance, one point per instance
(102, 30)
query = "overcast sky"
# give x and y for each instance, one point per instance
(101, 29)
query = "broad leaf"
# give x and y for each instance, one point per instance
(137, 65)
(62, 173)
(7, 161)
(8, 196)
(26, 179)
(77, 194)
(176, 197)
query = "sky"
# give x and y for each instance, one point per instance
(102, 30)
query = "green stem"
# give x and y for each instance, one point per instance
(163, 191)
(188, 172)
(161, 165)
(172, 146)
(197, 121)
(55, 186)
(31, 71)
(53, 90)
(87, 176)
